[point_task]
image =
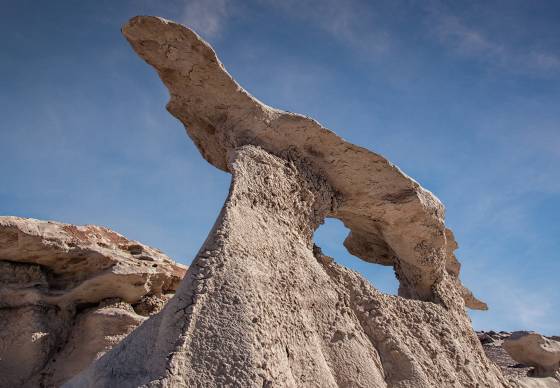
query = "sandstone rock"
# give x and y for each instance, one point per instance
(261, 306)
(485, 338)
(68, 294)
(392, 219)
(517, 373)
(531, 382)
(533, 349)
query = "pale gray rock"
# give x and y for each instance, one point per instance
(261, 306)
(69, 293)
(533, 349)
(392, 219)
(536, 382)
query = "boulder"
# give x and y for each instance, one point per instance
(485, 338)
(69, 293)
(261, 306)
(532, 349)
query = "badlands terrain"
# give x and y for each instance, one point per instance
(260, 305)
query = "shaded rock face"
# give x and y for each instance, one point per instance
(70, 293)
(261, 306)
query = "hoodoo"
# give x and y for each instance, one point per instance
(261, 306)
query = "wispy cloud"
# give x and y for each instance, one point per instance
(515, 307)
(472, 41)
(465, 40)
(206, 17)
(348, 21)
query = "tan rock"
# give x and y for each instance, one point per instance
(261, 306)
(67, 295)
(534, 382)
(392, 219)
(534, 350)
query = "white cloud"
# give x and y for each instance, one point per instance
(206, 17)
(465, 40)
(470, 40)
(348, 21)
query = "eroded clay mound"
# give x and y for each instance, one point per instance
(70, 293)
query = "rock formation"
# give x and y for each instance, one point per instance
(69, 293)
(261, 306)
(534, 350)
(392, 219)
(520, 374)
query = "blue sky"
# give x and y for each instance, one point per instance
(463, 96)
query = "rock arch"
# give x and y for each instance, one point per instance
(261, 306)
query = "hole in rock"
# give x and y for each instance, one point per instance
(330, 238)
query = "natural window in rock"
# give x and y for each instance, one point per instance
(330, 238)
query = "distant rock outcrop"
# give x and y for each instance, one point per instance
(534, 350)
(261, 306)
(518, 369)
(70, 293)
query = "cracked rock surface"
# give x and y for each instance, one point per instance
(70, 293)
(261, 306)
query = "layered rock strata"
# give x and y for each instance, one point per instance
(261, 306)
(70, 293)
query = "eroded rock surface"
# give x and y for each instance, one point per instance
(392, 219)
(261, 306)
(533, 349)
(520, 375)
(70, 293)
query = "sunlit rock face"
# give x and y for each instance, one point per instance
(70, 293)
(261, 306)
(532, 349)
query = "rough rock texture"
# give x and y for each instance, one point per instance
(492, 343)
(520, 375)
(70, 293)
(392, 219)
(261, 306)
(533, 349)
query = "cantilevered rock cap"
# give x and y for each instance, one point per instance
(393, 220)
